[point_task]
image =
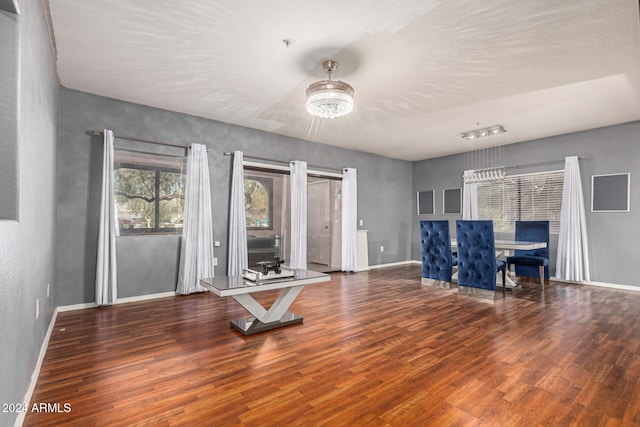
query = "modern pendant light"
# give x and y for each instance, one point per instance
(329, 98)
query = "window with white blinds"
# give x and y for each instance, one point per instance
(527, 197)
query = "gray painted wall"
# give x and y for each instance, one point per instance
(9, 191)
(27, 255)
(614, 149)
(149, 264)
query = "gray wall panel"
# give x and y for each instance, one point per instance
(9, 188)
(613, 149)
(382, 187)
(27, 246)
(142, 274)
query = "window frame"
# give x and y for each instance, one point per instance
(510, 216)
(267, 183)
(158, 170)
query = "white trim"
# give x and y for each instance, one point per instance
(537, 173)
(36, 370)
(554, 279)
(599, 284)
(265, 166)
(120, 301)
(146, 297)
(324, 174)
(288, 169)
(394, 264)
(63, 308)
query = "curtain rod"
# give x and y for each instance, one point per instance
(539, 164)
(284, 162)
(131, 138)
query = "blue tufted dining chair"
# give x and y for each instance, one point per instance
(477, 263)
(535, 262)
(437, 259)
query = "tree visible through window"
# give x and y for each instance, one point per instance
(258, 198)
(149, 193)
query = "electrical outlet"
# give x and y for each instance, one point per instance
(48, 290)
(381, 248)
(361, 223)
(216, 243)
(215, 261)
(37, 308)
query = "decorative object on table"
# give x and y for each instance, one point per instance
(535, 262)
(437, 259)
(426, 202)
(273, 265)
(477, 263)
(269, 270)
(610, 193)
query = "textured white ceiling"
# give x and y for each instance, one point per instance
(423, 71)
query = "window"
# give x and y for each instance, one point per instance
(258, 198)
(528, 197)
(149, 192)
(266, 195)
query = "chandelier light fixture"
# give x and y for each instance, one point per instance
(496, 173)
(484, 160)
(329, 98)
(481, 133)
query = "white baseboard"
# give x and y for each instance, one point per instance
(146, 297)
(76, 306)
(119, 301)
(36, 370)
(555, 279)
(599, 284)
(393, 264)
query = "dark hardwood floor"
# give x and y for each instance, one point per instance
(375, 348)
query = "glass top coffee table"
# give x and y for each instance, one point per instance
(240, 289)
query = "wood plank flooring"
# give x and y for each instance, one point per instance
(376, 349)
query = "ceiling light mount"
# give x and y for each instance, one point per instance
(481, 133)
(329, 98)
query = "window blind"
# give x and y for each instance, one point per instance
(526, 197)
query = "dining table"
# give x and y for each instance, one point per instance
(502, 247)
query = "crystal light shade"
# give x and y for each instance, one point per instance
(329, 98)
(484, 175)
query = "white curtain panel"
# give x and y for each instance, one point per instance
(298, 257)
(106, 269)
(470, 199)
(196, 253)
(284, 221)
(349, 219)
(572, 262)
(238, 258)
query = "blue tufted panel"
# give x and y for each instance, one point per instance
(437, 261)
(527, 262)
(477, 266)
